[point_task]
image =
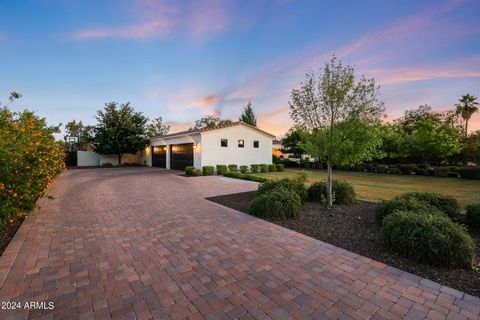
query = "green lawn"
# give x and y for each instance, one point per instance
(377, 186)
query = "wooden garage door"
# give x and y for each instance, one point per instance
(159, 156)
(181, 156)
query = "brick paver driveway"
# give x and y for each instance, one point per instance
(144, 243)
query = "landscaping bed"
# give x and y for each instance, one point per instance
(353, 228)
(8, 232)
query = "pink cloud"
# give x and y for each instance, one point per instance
(157, 19)
(207, 101)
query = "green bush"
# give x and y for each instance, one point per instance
(263, 168)
(429, 239)
(393, 170)
(189, 170)
(278, 203)
(243, 169)
(244, 176)
(453, 169)
(431, 171)
(272, 167)
(280, 167)
(444, 203)
(254, 168)
(440, 172)
(385, 208)
(195, 172)
(233, 168)
(221, 169)
(407, 168)
(296, 184)
(107, 165)
(452, 174)
(343, 192)
(207, 170)
(473, 215)
(470, 173)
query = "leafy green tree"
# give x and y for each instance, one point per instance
(210, 122)
(391, 134)
(292, 142)
(81, 132)
(248, 115)
(157, 128)
(340, 115)
(429, 135)
(119, 130)
(466, 107)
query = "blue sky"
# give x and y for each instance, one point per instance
(186, 59)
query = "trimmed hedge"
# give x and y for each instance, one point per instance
(263, 168)
(407, 168)
(385, 208)
(254, 168)
(444, 203)
(245, 176)
(469, 172)
(272, 167)
(280, 167)
(278, 203)
(473, 215)
(452, 174)
(221, 169)
(393, 170)
(440, 172)
(207, 170)
(421, 172)
(381, 168)
(343, 192)
(429, 239)
(189, 170)
(243, 169)
(233, 168)
(296, 185)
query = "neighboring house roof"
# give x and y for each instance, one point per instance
(275, 141)
(197, 131)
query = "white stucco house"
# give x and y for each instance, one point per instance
(236, 143)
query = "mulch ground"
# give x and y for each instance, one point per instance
(353, 228)
(7, 233)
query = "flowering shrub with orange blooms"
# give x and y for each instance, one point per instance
(30, 158)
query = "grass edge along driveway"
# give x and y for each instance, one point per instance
(384, 186)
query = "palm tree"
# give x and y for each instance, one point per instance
(466, 107)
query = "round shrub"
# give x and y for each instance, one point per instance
(236, 175)
(473, 215)
(195, 172)
(444, 203)
(343, 192)
(263, 168)
(280, 167)
(233, 168)
(272, 167)
(189, 170)
(429, 239)
(469, 172)
(207, 170)
(221, 169)
(296, 185)
(243, 169)
(386, 208)
(278, 203)
(254, 168)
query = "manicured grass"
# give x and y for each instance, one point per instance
(378, 186)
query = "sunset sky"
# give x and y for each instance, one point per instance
(186, 59)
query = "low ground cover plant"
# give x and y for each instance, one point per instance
(343, 192)
(429, 238)
(244, 176)
(277, 203)
(30, 158)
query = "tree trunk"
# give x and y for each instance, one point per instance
(119, 159)
(329, 185)
(466, 129)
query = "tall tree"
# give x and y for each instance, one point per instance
(341, 116)
(210, 122)
(292, 142)
(248, 115)
(80, 131)
(119, 130)
(157, 128)
(467, 105)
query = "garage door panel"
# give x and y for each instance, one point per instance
(181, 156)
(159, 156)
